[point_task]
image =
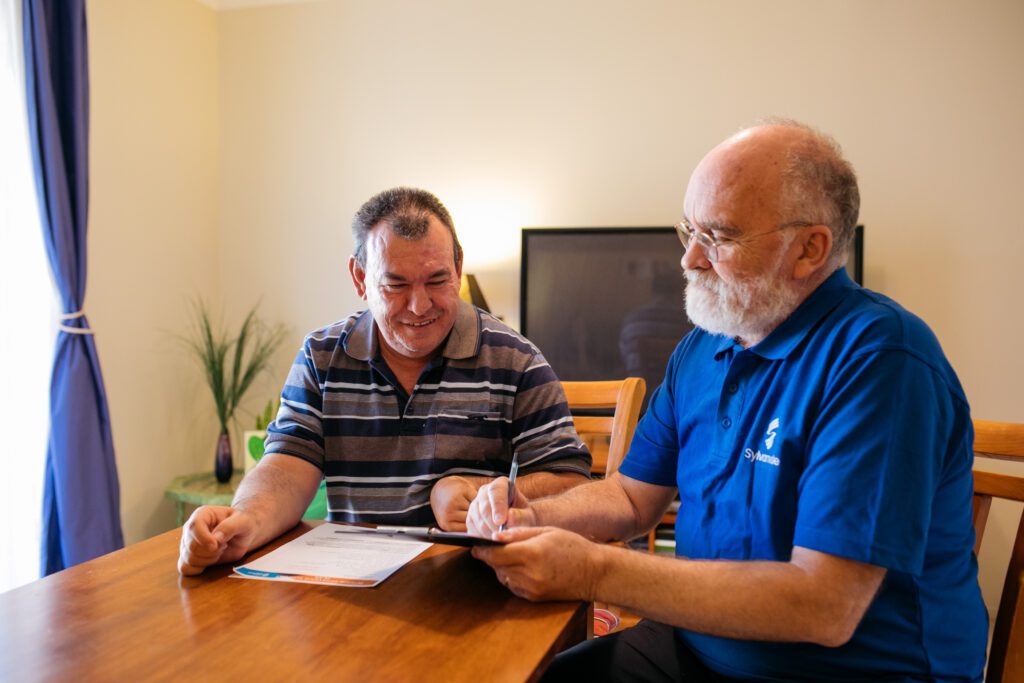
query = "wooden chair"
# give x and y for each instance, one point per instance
(607, 437)
(1004, 441)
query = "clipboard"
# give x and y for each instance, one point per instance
(420, 533)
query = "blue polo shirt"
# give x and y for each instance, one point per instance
(844, 431)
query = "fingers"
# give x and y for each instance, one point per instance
(199, 527)
(186, 569)
(454, 524)
(542, 563)
(450, 501)
(514, 572)
(457, 512)
(489, 509)
(511, 554)
(205, 537)
(499, 558)
(195, 556)
(497, 497)
(516, 534)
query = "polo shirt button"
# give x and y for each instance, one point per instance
(727, 422)
(733, 387)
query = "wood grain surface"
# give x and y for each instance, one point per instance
(130, 616)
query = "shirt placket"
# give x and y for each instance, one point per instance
(417, 410)
(730, 409)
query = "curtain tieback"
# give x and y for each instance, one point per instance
(74, 330)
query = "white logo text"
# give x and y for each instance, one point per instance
(761, 457)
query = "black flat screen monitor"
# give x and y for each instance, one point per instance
(607, 303)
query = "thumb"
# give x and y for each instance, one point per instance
(521, 533)
(231, 526)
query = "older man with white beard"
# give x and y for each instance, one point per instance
(820, 444)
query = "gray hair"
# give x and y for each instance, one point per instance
(407, 211)
(820, 185)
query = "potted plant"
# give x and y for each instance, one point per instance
(230, 364)
(252, 439)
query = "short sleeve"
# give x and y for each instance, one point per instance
(874, 458)
(298, 428)
(542, 427)
(654, 453)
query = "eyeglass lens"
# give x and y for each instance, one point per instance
(687, 234)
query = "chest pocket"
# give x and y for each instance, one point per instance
(476, 435)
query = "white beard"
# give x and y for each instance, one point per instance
(747, 310)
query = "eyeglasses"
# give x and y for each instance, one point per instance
(710, 244)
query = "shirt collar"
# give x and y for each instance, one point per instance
(794, 329)
(462, 342)
(464, 339)
(781, 341)
(361, 341)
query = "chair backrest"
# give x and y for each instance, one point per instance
(626, 397)
(1004, 441)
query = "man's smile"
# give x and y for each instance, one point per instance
(423, 323)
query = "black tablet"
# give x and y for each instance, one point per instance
(423, 533)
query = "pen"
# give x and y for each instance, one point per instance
(511, 486)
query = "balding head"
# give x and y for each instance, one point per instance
(777, 205)
(793, 173)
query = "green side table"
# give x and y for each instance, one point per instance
(201, 488)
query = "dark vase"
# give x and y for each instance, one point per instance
(222, 465)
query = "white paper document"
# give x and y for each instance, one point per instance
(329, 555)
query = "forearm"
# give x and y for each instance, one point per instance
(600, 510)
(750, 600)
(275, 494)
(542, 484)
(538, 484)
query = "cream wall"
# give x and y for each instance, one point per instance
(594, 113)
(534, 113)
(153, 236)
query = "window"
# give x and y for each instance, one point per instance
(27, 322)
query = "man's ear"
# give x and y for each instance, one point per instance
(358, 277)
(815, 250)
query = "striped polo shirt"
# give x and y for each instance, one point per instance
(488, 394)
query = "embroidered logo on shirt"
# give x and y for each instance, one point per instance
(760, 457)
(772, 426)
(766, 458)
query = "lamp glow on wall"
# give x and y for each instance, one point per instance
(488, 221)
(488, 229)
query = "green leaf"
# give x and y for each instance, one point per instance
(231, 364)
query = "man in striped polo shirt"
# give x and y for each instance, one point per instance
(407, 408)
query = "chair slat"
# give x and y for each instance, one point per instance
(998, 485)
(586, 424)
(586, 395)
(999, 440)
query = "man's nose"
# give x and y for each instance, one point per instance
(419, 300)
(694, 257)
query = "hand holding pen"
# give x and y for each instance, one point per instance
(511, 488)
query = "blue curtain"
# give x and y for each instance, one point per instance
(81, 508)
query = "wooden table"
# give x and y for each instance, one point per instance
(129, 616)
